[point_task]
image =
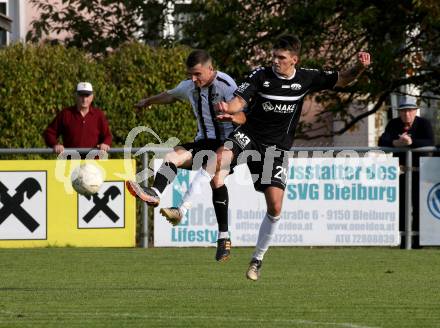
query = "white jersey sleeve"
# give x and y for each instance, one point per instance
(182, 90)
(227, 86)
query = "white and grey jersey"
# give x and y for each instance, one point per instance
(202, 101)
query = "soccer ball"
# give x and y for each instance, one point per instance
(87, 179)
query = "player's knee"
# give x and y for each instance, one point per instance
(217, 182)
(274, 209)
(170, 157)
(224, 160)
(176, 158)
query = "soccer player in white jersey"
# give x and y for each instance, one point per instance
(203, 89)
(273, 97)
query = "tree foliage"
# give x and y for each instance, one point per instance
(100, 25)
(403, 38)
(38, 81)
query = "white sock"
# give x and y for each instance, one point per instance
(223, 234)
(267, 229)
(195, 188)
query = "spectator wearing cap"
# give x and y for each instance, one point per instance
(79, 126)
(408, 130)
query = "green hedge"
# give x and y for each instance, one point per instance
(38, 81)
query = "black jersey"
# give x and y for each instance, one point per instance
(275, 103)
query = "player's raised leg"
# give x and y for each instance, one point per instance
(175, 214)
(180, 157)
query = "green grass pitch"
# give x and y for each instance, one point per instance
(299, 287)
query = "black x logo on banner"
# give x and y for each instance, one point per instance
(12, 204)
(101, 205)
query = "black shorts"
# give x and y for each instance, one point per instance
(267, 164)
(202, 150)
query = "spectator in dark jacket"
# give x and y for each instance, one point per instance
(408, 130)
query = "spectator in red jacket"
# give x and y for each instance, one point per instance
(80, 126)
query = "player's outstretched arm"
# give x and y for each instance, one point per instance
(348, 76)
(237, 118)
(161, 98)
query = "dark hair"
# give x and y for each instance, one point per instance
(288, 42)
(196, 57)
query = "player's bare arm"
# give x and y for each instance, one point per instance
(237, 104)
(161, 98)
(237, 118)
(348, 76)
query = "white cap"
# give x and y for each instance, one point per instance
(84, 88)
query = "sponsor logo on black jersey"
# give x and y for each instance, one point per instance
(278, 108)
(242, 139)
(267, 106)
(266, 84)
(242, 87)
(293, 86)
(285, 108)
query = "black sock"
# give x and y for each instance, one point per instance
(166, 174)
(220, 200)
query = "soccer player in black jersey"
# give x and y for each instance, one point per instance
(273, 96)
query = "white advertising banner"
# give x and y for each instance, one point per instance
(328, 202)
(429, 201)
